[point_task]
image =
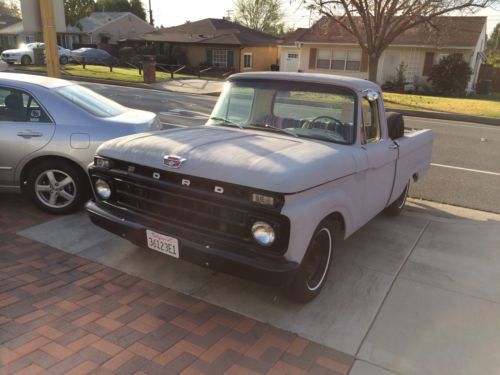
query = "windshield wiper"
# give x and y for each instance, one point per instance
(226, 121)
(273, 128)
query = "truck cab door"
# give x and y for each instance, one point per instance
(381, 155)
(24, 128)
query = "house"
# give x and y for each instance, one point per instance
(14, 31)
(110, 27)
(220, 43)
(327, 48)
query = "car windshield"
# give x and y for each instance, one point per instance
(309, 110)
(90, 101)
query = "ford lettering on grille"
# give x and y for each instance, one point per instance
(173, 161)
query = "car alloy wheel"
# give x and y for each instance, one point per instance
(55, 188)
(25, 60)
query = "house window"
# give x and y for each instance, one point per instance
(441, 56)
(353, 60)
(339, 59)
(293, 55)
(247, 61)
(30, 39)
(219, 58)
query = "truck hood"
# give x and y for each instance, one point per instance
(257, 159)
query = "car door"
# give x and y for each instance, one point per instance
(25, 127)
(381, 155)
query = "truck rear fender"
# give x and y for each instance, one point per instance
(306, 211)
(415, 151)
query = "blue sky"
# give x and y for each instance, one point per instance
(171, 13)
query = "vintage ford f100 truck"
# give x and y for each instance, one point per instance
(287, 164)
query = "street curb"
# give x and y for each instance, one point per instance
(447, 116)
(405, 112)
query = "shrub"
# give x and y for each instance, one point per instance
(126, 53)
(450, 76)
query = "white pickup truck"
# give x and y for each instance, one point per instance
(287, 164)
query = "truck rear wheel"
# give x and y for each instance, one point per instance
(396, 207)
(313, 271)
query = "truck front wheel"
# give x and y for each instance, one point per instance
(313, 271)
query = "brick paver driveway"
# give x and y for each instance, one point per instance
(62, 314)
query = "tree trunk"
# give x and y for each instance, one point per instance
(373, 66)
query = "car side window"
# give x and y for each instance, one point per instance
(370, 129)
(19, 106)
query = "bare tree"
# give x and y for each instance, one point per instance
(262, 15)
(376, 23)
(10, 7)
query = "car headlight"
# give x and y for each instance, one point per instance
(263, 233)
(103, 189)
(102, 162)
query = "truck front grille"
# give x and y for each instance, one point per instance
(207, 216)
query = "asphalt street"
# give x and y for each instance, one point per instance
(466, 157)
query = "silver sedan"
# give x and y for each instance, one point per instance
(49, 131)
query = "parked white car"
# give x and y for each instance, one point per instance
(288, 164)
(25, 56)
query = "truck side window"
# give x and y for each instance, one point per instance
(370, 131)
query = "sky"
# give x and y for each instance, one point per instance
(172, 13)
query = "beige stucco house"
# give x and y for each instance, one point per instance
(327, 48)
(219, 43)
(110, 27)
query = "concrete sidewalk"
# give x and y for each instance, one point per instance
(418, 294)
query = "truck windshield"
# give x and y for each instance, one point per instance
(307, 110)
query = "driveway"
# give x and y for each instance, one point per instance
(411, 295)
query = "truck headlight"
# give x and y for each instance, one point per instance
(103, 189)
(102, 162)
(263, 233)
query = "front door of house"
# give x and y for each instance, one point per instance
(291, 62)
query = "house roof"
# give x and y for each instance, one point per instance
(294, 36)
(6, 20)
(98, 19)
(14, 28)
(447, 32)
(211, 31)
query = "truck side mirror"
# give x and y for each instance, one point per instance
(371, 95)
(395, 125)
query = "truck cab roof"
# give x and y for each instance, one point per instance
(355, 84)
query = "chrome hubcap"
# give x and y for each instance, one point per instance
(55, 188)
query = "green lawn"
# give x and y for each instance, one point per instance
(102, 72)
(487, 106)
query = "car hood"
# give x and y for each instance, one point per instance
(258, 159)
(19, 50)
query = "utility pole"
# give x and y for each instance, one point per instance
(151, 21)
(49, 37)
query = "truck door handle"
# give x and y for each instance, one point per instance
(29, 134)
(394, 146)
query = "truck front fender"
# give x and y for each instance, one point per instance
(306, 210)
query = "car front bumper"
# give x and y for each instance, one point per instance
(271, 271)
(10, 59)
